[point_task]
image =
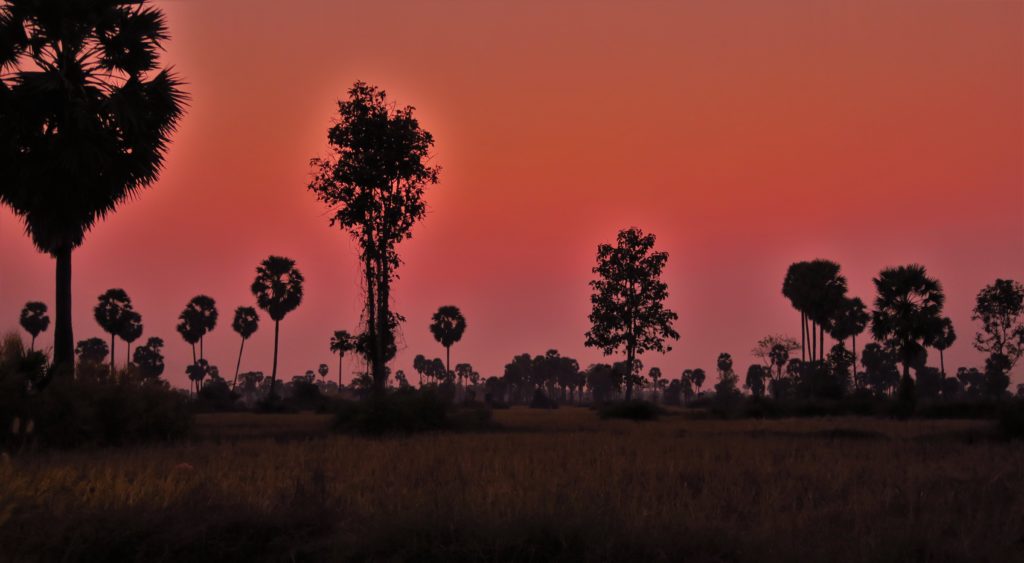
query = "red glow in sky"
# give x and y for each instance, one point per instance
(747, 135)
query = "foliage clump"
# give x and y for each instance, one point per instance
(407, 412)
(631, 410)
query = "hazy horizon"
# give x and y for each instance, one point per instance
(745, 136)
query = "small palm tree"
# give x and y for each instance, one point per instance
(342, 343)
(447, 327)
(111, 314)
(907, 315)
(278, 291)
(322, 370)
(945, 338)
(131, 330)
(850, 320)
(198, 319)
(246, 322)
(34, 320)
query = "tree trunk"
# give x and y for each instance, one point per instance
(803, 337)
(238, 365)
(112, 340)
(32, 347)
(273, 371)
(341, 355)
(128, 359)
(821, 343)
(63, 339)
(201, 356)
(629, 373)
(855, 384)
(942, 364)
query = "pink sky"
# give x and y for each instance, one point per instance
(746, 135)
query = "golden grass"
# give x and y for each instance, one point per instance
(554, 485)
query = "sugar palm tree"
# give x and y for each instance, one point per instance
(850, 320)
(34, 320)
(246, 322)
(131, 330)
(200, 316)
(945, 338)
(86, 114)
(447, 327)
(817, 290)
(278, 291)
(907, 315)
(342, 343)
(111, 313)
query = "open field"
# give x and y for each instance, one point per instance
(551, 485)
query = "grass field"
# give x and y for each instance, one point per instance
(550, 485)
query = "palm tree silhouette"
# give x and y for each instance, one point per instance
(87, 116)
(278, 291)
(190, 328)
(447, 327)
(111, 313)
(246, 322)
(817, 290)
(850, 320)
(907, 315)
(201, 315)
(943, 340)
(34, 320)
(342, 343)
(130, 331)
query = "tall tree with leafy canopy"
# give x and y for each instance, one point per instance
(907, 315)
(628, 301)
(111, 314)
(86, 114)
(850, 319)
(34, 320)
(245, 323)
(817, 290)
(131, 330)
(92, 351)
(374, 182)
(149, 358)
(1000, 308)
(342, 343)
(278, 291)
(197, 319)
(448, 325)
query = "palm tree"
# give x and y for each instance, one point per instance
(907, 315)
(85, 119)
(246, 322)
(111, 314)
(199, 317)
(851, 319)
(34, 320)
(447, 327)
(131, 330)
(818, 291)
(943, 340)
(278, 291)
(342, 343)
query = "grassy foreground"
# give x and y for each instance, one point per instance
(553, 485)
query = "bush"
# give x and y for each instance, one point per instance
(541, 401)
(631, 410)
(407, 412)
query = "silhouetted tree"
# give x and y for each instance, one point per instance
(278, 291)
(600, 380)
(817, 290)
(92, 351)
(628, 301)
(907, 315)
(130, 331)
(756, 380)
(199, 317)
(245, 323)
(196, 373)
(655, 374)
(942, 341)
(727, 378)
(850, 320)
(34, 320)
(1000, 308)
(342, 343)
(972, 382)
(85, 117)
(880, 370)
(374, 183)
(773, 351)
(698, 378)
(997, 375)
(149, 358)
(322, 370)
(111, 313)
(447, 326)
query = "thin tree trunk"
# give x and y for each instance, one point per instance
(32, 347)
(238, 365)
(340, 356)
(128, 360)
(273, 371)
(803, 337)
(814, 340)
(629, 373)
(112, 339)
(855, 362)
(201, 356)
(942, 364)
(63, 339)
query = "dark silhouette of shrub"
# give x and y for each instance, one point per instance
(407, 412)
(1011, 420)
(631, 410)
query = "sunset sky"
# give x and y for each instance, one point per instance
(745, 134)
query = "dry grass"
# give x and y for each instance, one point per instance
(556, 485)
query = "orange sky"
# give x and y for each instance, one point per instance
(745, 134)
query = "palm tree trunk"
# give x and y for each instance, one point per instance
(63, 339)
(273, 371)
(112, 340)
(201, 356)
(340, 356)
(803, 337)
(238, 365)
(32, 347)
(855, 361)
(814, 340)
(942, 364)
(821, 343)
